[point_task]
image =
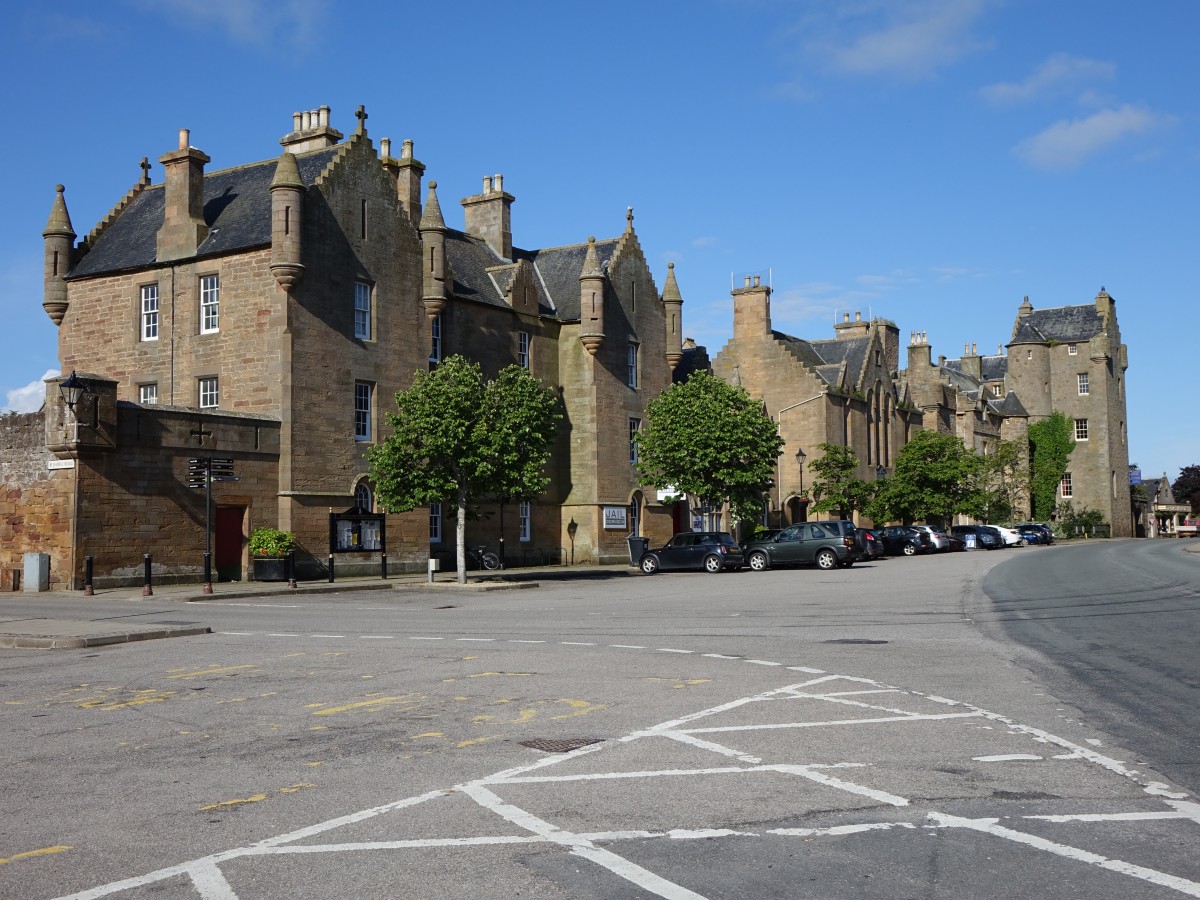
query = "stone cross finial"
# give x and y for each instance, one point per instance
(145, 167)
(361, 115)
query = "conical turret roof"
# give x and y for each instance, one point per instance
(431, 216)
(60, 219)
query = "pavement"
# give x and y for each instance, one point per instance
(56, 634)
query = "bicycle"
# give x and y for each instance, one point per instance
(484, 558)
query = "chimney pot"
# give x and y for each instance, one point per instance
(306, 120)
(296, 117)
(324, 111)
(487, 184)
(845, 317)
(185, 138)
(385, 147)
(406, 150)
(857, 316)
(747, 281)
(756, 281)
(499, 182)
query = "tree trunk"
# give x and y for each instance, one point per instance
(460, 537)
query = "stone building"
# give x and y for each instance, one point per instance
(268, 312)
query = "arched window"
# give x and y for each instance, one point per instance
(364, 497)
(635, 518)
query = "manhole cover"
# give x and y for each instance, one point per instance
(561, 745)
(854, 641)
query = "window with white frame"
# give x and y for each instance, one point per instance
(362, 410)
(525, 516)
(149, 312)
(1072, 349)
(1083, 383)
(635, 425)
(362, 311)
(209, 392)
(523, 349)
(210, 304)
(1081, 430)
(635, 519)
(147, 394)
(435, 523)
(364, 497)
(435, 347)
(1064, 486)
(631, 365)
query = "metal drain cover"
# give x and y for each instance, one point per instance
(854, 641)
(561, 745)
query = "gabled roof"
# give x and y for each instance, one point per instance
(1065, 324)
(559, 268)
(827, 357)
(237, 210)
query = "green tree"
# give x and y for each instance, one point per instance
(710, 441)
(934, 478)
(1002, 483)
(1186, 487)
(458, 437)
(837, 487)
(1051, 442)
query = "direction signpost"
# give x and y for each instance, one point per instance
(202, 472)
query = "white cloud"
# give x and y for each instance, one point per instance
(1067, 143)
(1059, 72)
(931, 35)
(284, 22)
(30, 397)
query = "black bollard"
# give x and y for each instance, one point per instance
(383, 566)
(208, 573)
(291, 568)
(148, 586)
(331, 568)
(87, 577)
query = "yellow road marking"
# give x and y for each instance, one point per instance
(317, 763)
(582, 708)
(525, 715)
(140, 698)
(482, 740)
(296, 788)
(213, 670)
(373, 705)
(225, 804)
(428, 734)
(44, 851)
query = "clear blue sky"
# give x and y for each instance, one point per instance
(930, 162)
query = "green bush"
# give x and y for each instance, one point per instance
(271, 542)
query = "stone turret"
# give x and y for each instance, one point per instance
(433, 267)
(183, 228)
(672, 302)
(591, 300)
(489, 215)
(287, 212)
(752, 310)
(59, 239)
(407, 171)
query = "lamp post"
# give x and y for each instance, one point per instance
(73, 388)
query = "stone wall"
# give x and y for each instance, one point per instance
(35, 500)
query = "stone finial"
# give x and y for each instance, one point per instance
(591, 262)
(431, 217)
(361, 115)
(145, 167)
(670, 292)
(629, 218)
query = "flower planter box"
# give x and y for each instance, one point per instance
(270, 568)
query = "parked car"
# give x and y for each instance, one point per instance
(1010, 536)
(872, 545)
(905, 539)
(983, 537)
(1032, 534)
(807, 543)
(937, 537)
(1189, 528)
(1045, 529)
(709, 551)
(846, 529)
(956, 543)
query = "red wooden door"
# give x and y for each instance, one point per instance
(227, 543)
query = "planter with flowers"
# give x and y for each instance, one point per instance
(269, 548)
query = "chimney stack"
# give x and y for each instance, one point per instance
(183, 228)
(489, 216)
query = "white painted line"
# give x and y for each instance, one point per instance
(576, 644)
(477, 640)
(806, 669)
(376, 637)
(1191, 810)
(1008, 757)
(672, 650)
(328, 635)
(785, 725)
(1158, 789)
(627, 646)
(412, 637)
(486, 840)
(211, 884)
(859, 693)
(711, 747)
(839, 829)
(989, 826)
(280, 634)
(515, 641)
(720, 656)
(762, 662)
(236, 632)
(623, 776)
(1111, 817)
(848, 786)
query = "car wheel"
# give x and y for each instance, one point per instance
(712, 564)
(1023, 543)
(910, 549)
(758, 562)
(826, 559)
(649, 564)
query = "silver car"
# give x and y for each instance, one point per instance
(937, 538)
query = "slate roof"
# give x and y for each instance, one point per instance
(825, 357)
(559, 268)
(1065, 324)
(993, 368)
(237, 210)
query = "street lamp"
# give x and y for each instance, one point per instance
(73, 388)
(800, 457)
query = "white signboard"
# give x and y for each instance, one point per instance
(616, 518)
(60, 464)
(667, 494)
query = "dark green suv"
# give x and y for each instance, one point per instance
(826, 545)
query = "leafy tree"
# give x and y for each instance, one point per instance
(710, 441)
(837, 487)
(1050, 444)
(935, 477)
(1002, 483)
(1186, 487)
(459, 437)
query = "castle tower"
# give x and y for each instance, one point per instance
(752, 310)
(287, 211)
(59, 239)
(591, 300)
(433, 242)
(183, 228)
(673, 307)
(489, 216)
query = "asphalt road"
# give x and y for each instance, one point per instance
(873, 732)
